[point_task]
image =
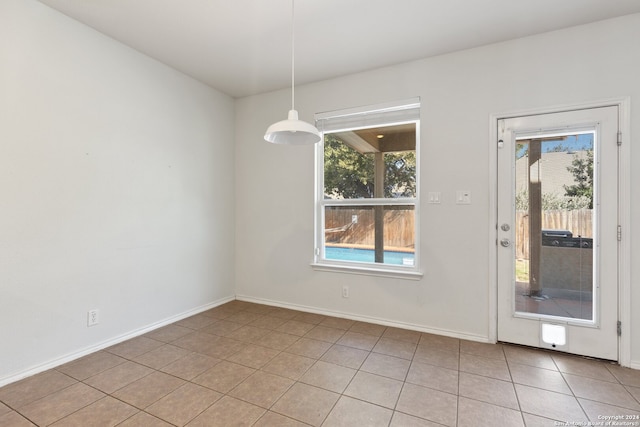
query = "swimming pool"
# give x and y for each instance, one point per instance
(368, 255)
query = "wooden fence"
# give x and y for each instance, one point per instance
(579, 222)
(399, 226)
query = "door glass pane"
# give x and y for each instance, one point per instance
(554, 225)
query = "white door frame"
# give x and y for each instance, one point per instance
(624, 213)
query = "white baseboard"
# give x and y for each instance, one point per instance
(375, 320)
(108, 343)
(634, 364)
(141, 331)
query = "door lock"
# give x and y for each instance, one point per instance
(505, 243)
(505, 227)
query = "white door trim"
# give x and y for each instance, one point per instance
(624, 201)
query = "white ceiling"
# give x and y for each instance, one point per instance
(242, 47)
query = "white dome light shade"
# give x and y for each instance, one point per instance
(292, 131)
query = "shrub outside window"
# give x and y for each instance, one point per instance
(367, 178)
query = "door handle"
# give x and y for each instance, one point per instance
(505, 243)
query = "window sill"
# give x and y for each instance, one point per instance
(379, 272)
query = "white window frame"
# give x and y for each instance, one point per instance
(388, 114)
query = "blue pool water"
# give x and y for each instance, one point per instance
(368, 255)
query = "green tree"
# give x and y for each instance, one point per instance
(400, 174)
(582, 170)
(553, 202)
(349, 174)
(558, 148)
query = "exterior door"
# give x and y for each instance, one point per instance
(558, 231)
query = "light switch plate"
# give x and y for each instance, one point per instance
(434, 197)
(463, 197)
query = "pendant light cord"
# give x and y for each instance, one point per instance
(293, 55)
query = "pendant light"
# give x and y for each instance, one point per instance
(292, 131)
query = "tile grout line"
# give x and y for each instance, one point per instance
(513, 385)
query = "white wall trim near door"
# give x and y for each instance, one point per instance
(108, 343)
(624, 272)
(624, 209)
(375, 320)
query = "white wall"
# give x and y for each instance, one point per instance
(116, 190)
(275, 184)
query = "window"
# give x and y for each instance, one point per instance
(367, 189)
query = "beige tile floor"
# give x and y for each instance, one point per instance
(248, 364)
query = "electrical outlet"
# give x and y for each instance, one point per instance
(92, 317)
(345, 292)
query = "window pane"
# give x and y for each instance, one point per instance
(375, 162)
(399, 235)
(351, 234)
(348, 174)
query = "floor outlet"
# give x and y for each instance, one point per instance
(345, 292)
(92, 317)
